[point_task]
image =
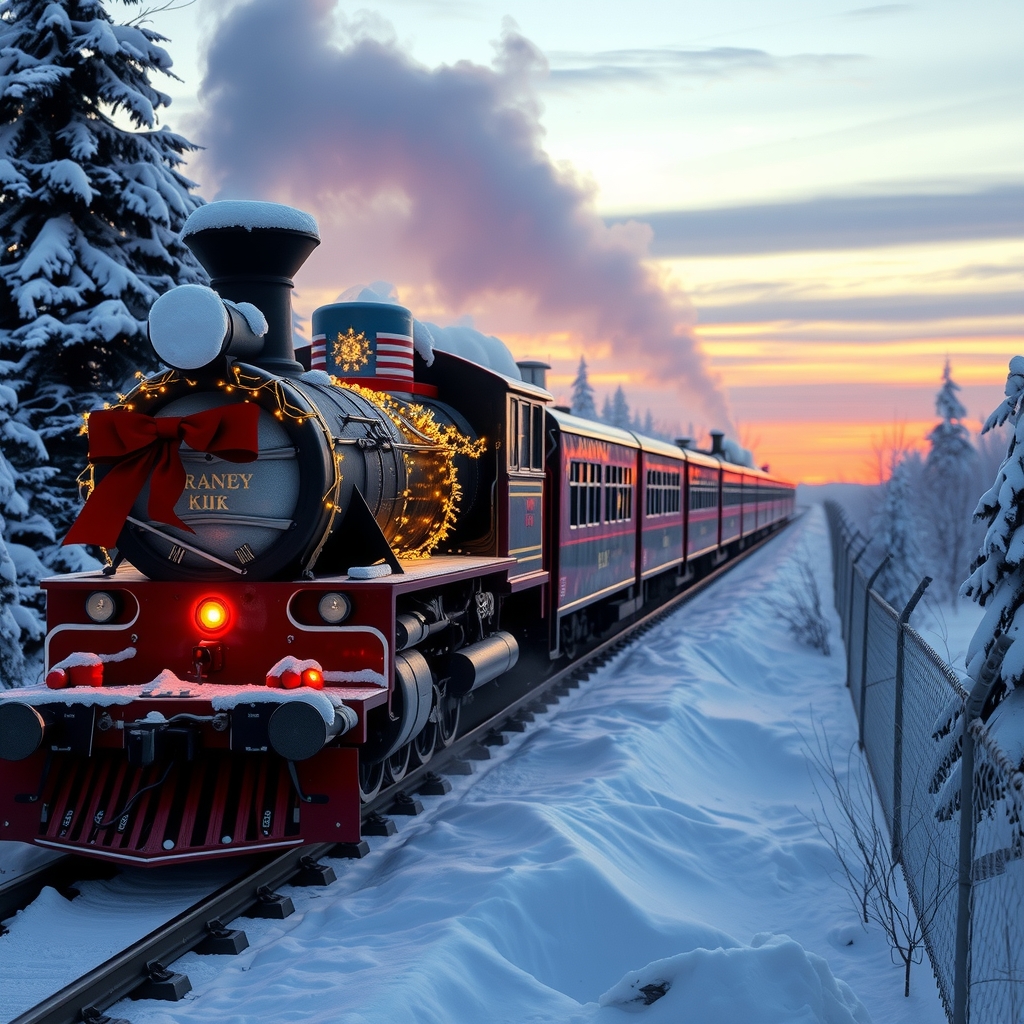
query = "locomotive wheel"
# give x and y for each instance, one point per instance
(449, 712)
(575, 634)
(424, 744)
(397, 765)
(371, 778)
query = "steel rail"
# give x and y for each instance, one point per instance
(126, 971)
(87, 997)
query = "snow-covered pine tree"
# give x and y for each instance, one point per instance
(950, 439)
(648, 426)
(620, 410)
(607, 413)
(950, 484)
(91, 205)
(583, 394)
(19, 619)
(997, 575)
(896, 529)
(997, 584)
(12, 657)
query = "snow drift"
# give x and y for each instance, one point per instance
(771, 981)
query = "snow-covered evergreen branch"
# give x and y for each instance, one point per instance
(92, 200)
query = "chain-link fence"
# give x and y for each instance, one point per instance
(909, 706)
(996, 954)
(929, 843)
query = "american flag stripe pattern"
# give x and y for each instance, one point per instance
(394, 355)
(318, 356)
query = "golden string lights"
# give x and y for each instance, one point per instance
(270, 391)
(240, 380)
(257, 386)
(432, 493)
(427, 507)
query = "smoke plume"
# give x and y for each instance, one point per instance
(435, 175)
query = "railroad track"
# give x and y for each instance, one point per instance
(142, 969)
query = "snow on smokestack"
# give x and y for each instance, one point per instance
(251, 252)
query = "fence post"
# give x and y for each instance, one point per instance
(849, 605)
(841, 566)
(980, 692)
(840, 561)
(835, 536)
(833, 543)
(897, 748)
(864, 649)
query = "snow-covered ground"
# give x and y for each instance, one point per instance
(654, 828)
(18, 858)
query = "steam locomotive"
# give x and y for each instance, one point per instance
(323, 569)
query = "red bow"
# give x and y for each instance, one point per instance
(139, 445)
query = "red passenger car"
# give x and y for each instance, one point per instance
(662, 476)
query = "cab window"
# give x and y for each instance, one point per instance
(525, 436)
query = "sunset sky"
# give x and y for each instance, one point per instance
(782, 213)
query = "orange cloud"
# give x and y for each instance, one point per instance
(823, 452)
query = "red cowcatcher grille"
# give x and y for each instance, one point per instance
(219, 803)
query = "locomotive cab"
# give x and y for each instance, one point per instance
(509, 414)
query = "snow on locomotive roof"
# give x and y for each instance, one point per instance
(248, 214)
(477, 347)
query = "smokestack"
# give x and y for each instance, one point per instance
(251, 252)
(717, 436)
(684, 442)
(534, 372)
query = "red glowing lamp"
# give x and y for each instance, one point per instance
(212, 614)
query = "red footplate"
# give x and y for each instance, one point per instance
(217, 804)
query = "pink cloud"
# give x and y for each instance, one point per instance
(437, 177)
